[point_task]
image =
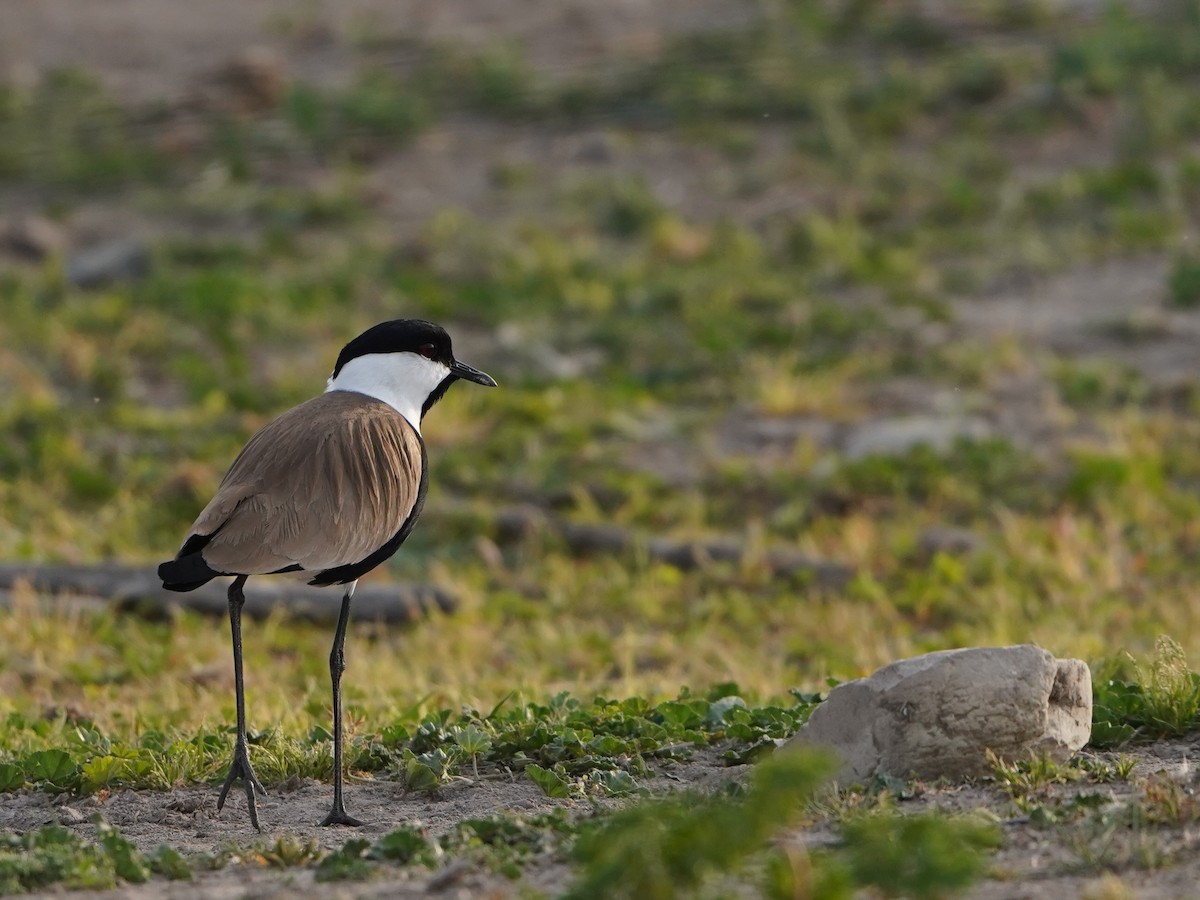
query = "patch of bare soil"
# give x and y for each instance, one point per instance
(186, 819)
(146, 50)
(1077, 856)
(1114, 311)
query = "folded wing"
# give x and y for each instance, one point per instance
(323, 486)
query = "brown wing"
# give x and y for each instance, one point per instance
(324, 485)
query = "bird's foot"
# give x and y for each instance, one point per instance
(338, 816)
(241, 768)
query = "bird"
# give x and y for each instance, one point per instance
(325, 492)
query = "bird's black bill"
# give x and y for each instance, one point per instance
(470, 373)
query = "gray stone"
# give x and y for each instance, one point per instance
(939, 714)
(890, 437)
(119, 260)
(69, 815)
(33, 237)
(951, 541)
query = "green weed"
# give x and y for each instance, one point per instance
(691, 842)
(53, 856)
(656, 849)
(917, 856)
(567, 746)
(288, 851)
(1183, 286)
(507, 843)
(1104, 771)
(1164, 701)
(1025, 777)
(348, 863)
(504, 843)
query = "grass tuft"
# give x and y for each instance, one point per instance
(1164, 701)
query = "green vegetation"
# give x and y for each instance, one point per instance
(763, 241)
(1185, 282)
(54, 855)
(918, 856)
(1162, 701)
(659, 849)
(700, 845)
(568, 747)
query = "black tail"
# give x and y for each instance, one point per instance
(186, 573)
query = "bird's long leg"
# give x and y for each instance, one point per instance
(240, 767)
(337, 665)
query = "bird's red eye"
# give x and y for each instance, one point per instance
(427, 350)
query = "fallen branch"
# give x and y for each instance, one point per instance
(138, 590)
(515, 523)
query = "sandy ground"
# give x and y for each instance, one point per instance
(187, 820)
(1037, 862)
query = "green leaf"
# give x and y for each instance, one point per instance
(170, 863)
(347, 864)
(607, 745)
(419, 775)
(1106, 734)
(616, 783)
(635, 706)
(394, 735)
(721, 709)
(126, 859)
(54, 767)
(548, 780)
(472, 739)
(683, 715)
(404, 845)
(101, 771)
(12, 777)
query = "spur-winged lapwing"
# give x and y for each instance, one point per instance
(326, 492)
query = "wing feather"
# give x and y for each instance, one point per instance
(324, 485)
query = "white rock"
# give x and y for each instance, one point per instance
(938, 714)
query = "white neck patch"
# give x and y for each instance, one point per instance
(403, 381)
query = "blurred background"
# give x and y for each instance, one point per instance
(828, 331)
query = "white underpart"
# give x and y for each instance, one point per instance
(403, 381)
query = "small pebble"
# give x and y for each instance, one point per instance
(69, 815)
